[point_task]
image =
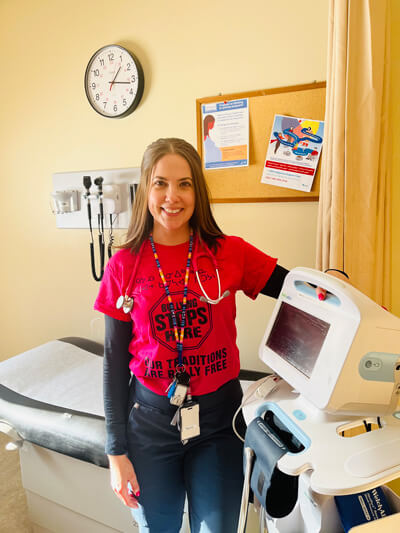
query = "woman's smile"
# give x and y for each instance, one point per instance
(170, 211)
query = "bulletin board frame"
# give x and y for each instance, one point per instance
(243, 184)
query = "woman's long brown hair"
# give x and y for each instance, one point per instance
(209, 119)
(202, 220)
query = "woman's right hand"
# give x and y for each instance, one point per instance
(122, 473)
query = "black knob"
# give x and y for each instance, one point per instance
(99, 183)
(87, 182)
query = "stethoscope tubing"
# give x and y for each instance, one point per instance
(207, 252)
(97, 277)
(205, 297)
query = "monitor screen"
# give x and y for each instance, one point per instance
(297, 337)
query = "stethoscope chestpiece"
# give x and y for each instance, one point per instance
(126, 302)
(214, 302)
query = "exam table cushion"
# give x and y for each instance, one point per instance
(57, 373)
(52, 396)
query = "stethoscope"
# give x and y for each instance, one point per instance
(207, 253)
(126, 302)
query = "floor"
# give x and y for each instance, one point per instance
(13, 508)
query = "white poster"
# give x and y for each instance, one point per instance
(226, 134)
(293, 153)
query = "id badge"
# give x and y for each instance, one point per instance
(189, 415)
(179, 395)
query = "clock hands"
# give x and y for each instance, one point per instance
(113, 82)
(115, 77)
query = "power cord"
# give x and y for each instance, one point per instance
(258, 390)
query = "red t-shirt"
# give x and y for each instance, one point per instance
(210, 353)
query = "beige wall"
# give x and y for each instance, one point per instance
(47, 126)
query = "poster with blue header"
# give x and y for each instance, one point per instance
(294, 149)
(226, 134)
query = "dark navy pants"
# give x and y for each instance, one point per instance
(208, 469)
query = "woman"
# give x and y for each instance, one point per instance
(212, 154)
(174, 328)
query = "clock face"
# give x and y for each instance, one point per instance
(114, 81)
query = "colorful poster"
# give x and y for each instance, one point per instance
(293, 152)
(226, 134)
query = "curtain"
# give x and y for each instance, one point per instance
(354, 207)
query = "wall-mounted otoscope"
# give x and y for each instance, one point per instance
(100, 195)
(87, 183)
(99, 184)
(104, 200)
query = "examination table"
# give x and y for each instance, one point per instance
(51, 407)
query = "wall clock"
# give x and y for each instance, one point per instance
(114, 81)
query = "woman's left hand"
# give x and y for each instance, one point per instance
(321, 293)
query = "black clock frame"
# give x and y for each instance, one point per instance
(140, 89)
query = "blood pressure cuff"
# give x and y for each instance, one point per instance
(275, 490)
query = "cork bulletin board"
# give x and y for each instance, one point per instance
(243, 184)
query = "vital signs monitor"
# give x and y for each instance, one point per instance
(342, 353)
